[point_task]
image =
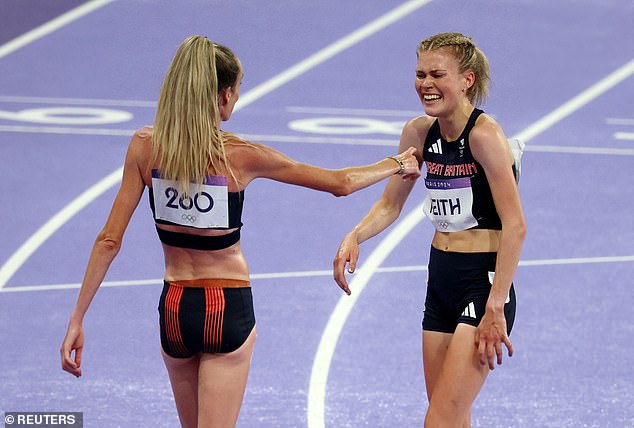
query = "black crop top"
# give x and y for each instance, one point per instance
(189, 209)
(460, 193)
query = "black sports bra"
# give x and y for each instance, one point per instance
(235, 202)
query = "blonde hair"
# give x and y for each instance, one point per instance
(469, 57)
(187, 137)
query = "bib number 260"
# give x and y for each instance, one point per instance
(202, 198)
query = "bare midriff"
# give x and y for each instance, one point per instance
(187, 264)
(468, 241)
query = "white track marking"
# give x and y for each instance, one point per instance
(77, 101)
(298, 139)
(18, 258)
(51, 26)
(354, 111)
(316, 273)
(328, 342)
(574, 104)
(332, 50)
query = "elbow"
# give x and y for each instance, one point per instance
(519, 228)
(342, 191)
(344, 187)
(107, 244)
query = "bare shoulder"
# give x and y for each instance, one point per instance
(414, 134)
(486, 129)
(488, 142)
(242, 152)
(418, 126)
(142, 139)
(140, 149)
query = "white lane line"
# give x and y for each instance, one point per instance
(76, 101)
(624, 135)
(268, 138)
(51, 26)
(330, 336)
(353, 111)
(619, 121)
(574, 104)
(18, 258)
(325, 351)
(62, 130)
(315, 274)
(25, 250)
(333, 49)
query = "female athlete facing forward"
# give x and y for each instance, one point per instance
(196, 175)
(474, 204)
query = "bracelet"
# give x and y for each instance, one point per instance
(400, 164)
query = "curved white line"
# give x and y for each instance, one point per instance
(22, 254)
(49, 27)
(331, 50)
(41, 235)
(18, 258)
(330, 336)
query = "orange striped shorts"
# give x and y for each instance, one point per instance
(207, 315)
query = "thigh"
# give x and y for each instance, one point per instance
(183, 375)
(435, 346)
(460, 378)
(222, 379)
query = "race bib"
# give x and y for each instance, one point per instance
(449, 204)
(207, 208)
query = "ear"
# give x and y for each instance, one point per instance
(469, 77)
(225, 96)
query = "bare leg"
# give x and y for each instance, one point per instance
(455, 377)
(222, 379)
(183, 374)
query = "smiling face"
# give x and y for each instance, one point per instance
(440, 85)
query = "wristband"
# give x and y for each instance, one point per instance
(400, 164)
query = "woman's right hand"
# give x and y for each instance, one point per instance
(74, 341)
(348, 253)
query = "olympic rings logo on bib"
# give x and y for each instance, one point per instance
(188, 217)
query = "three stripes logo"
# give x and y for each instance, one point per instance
(436, 147)
(469, 311)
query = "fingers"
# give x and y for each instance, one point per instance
(482, 348)
(490, 351)
(412, 169)
(68, 365)
(339, 266)
(509, 345)
(498, 352)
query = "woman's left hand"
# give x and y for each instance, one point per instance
(489, 337)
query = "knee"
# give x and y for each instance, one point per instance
(446, 416)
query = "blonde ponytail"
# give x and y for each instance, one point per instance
(187, 137)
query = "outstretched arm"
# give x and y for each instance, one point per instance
(384, 212)
(257, 160)
(104, 250)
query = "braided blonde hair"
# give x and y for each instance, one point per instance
(469, 57)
